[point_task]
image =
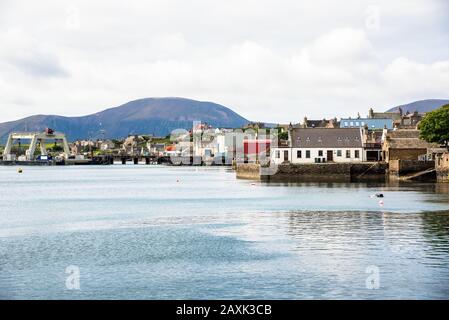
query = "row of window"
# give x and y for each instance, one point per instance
(321, 140)
(299, 154)
(357, 124)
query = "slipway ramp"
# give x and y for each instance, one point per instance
(428, 174)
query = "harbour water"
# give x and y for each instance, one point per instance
(153, 232)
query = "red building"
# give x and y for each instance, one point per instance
(254, 148)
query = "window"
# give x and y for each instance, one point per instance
(278, 154)
(338, 153)
(320, 153)
(351, 123)
(308, 154)
(348, 153)
(298, 154)
(356, 154)
(363, 123)
(346, 123)
(357, 123)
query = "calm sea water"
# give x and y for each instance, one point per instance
(149, 232)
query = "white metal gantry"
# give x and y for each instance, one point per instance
(36, 138)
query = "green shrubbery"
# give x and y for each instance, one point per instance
(435, 126)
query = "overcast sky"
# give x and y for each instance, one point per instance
(269, 60)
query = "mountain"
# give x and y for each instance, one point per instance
(421, 106)
(157, 116)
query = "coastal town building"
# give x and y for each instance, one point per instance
(106, 145)
(372, 144)
(395, 116)
(156, 148)
(370, 124)
(307, 123)
(411, 120)
(321, 145)
(404, 144)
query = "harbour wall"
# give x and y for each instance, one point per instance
(442, 168)
(403, 167)
(338, 172)
(248, 171)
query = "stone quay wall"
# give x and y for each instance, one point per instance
(442, 168)
(403, 167)
(248, 171)
(326, 172)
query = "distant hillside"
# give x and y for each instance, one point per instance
(421, 106)
(157, 116)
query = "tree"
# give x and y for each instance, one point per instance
(435, 126)
(283, 135)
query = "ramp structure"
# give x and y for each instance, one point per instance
(36, 138)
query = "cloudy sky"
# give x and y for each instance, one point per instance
(269, 60)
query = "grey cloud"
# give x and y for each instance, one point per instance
(39, 65)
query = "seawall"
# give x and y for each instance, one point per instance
(442, 168)
(338, 172)
(248, 171)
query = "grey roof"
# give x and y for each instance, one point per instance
(409, 143)
(326, 138)
(410, 134)
(407, 139)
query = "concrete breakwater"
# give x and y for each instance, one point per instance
(339, 172)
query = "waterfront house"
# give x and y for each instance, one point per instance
(321, 145)
(404, 144)
(372, 144)
(256, 149)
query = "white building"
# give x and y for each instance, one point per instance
(106, 145)
(321, 145)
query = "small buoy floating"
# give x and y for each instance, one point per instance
(253, 184)
(381, 203)
(19, 170)
(377, 195)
